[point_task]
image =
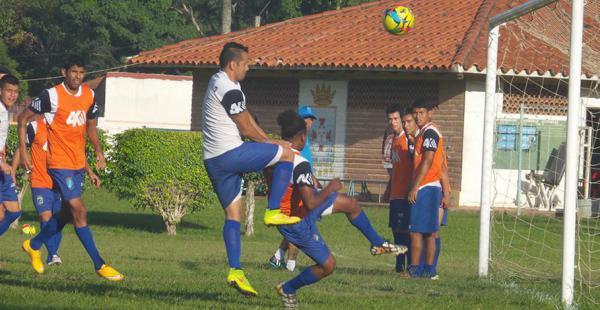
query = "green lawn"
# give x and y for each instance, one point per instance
(188, 270)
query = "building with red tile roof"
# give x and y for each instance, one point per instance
(346, 55)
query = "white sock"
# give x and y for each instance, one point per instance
(291, 265)
(279, 254)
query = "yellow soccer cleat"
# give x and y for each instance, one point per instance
(237, 280)
(275, 217)
(35, 255)
(109, 273)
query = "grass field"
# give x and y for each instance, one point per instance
(188, 270)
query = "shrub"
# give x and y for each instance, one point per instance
(162, 171)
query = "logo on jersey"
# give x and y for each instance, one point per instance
(36, 104)
(76, 118)
(40, 200)
(304, 179)
(237, 107)
(430, 143)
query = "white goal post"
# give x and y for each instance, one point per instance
(573, 126)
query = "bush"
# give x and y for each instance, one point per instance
(162, 171)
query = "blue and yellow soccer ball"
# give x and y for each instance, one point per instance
(398, 20)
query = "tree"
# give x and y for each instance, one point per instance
(226, 16)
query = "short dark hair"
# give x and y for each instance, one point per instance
(394, 108)
(291, 124)
(73, 60)
(406, 111)
(8, 79)
(422, 104)
(231, 51)
(4, 70)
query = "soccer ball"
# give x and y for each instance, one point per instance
(398, 20)
(28, 229)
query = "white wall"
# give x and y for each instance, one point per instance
(146, 102)
(472, 143)
(505, 190)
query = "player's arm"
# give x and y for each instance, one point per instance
(234, 104)
(431, 141)
(93, 176)
(302, 178)
(38, 106)
(312, 199)
(92, 132)
(445, 180)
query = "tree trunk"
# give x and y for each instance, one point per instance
(172, 217)
(15, 224)
(226, 16)
(249, 210)
(171, 229)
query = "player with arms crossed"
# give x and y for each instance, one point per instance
(316, 204)
(425, 195)
(70, 111)
(225, 119)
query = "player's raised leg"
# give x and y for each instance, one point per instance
(358, 218)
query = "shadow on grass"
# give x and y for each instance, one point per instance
(138, 221)
(114, 289)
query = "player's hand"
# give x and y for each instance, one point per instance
(446, 200)
(412, 195)
(280, 142)
(7, 169)
(100, 161)
(335, 185)
(94, 179)
(386, 194)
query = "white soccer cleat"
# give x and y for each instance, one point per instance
(55, 260)
(389, 248)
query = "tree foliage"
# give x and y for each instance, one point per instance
(41, 33)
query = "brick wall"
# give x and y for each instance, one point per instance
(450, 118)
(366, 121)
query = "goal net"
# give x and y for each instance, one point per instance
(530, 150)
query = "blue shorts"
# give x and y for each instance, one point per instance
(444, 217)
(424, 216)
(226, 169)
(45, 199)
(399, 214)
(68, 182)
(8, 188)
(305, 235)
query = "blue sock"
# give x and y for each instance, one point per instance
(282, 174)
(233, 245)
(306, 277)
(438, 247)
(9, 217)
(52, 243)
(404, 239)
(85, 236)
(46, 232)
(362, 223)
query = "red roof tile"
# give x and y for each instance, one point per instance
(446, 33)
